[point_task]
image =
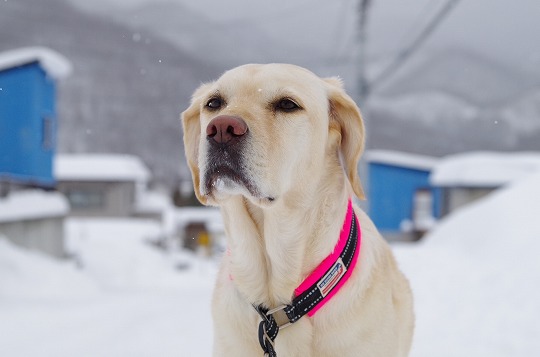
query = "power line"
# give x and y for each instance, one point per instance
(420, 20)
(415, 44)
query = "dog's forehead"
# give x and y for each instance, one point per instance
(270, 78)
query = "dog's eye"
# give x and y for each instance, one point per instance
(287, 105)
(214, 103)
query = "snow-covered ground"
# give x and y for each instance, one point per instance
(120, 296)
(475, 280)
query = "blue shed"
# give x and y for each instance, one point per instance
(402, 203)
(28, 117)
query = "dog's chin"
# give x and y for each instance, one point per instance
(221, 188)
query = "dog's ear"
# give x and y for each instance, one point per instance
(346, 118)
(191, 124)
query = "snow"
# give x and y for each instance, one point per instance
(100, 167)
(32, 204)
(211, 217)
(474, 278)
(126, 298)
(152, 201)
(54, 64)
(98, 244)
(484, 169)
(155, 202)
(25, 273)
(402, 159)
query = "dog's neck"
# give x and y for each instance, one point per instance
(273, 249)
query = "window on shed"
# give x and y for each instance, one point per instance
(47, 133)
(86, 199)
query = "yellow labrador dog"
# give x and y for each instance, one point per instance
(305, 274)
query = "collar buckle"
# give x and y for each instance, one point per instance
(279, 319)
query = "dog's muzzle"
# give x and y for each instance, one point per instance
(226, 138)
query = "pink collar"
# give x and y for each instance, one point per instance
(319, 287)
(332, 274)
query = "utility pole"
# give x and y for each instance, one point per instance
(363, 85)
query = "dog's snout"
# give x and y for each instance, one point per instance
(224, 129)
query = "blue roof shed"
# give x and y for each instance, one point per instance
(400, 197)
(28, 118)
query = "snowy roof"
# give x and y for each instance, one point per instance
(32, 204)
(149, 201)
(402, 159)
(210, 216)
(484, 169)
(100, 167)
(53, 63)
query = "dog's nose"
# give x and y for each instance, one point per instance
(225, 128)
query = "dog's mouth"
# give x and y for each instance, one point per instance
(222, 178)
(223, 181)
(227, 173)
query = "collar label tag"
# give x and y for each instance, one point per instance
(332, 277)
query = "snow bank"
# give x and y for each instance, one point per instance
(54, 64)
(118, 253)
(32, 204)
(475, 278)
(102, 167)
(126, 299)
(26, 274)
(484, 169)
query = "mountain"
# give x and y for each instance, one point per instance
(462, 73)
(453, 101)
(467, 76)
(127, 90)
(236, 32)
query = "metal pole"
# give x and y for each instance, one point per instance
(363, 85)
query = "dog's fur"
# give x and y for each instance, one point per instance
(283, 210)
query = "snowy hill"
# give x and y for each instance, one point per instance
(477, 294)
(455, 101)
(462, 73)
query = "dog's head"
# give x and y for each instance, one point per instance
(264, 130)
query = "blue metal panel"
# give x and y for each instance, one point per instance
(27, 112)
(391, 193)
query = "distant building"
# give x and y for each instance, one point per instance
(28, 117)
(200, 228)
(402, 202)
(29, 217)
(101, 185)
(467, 177)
